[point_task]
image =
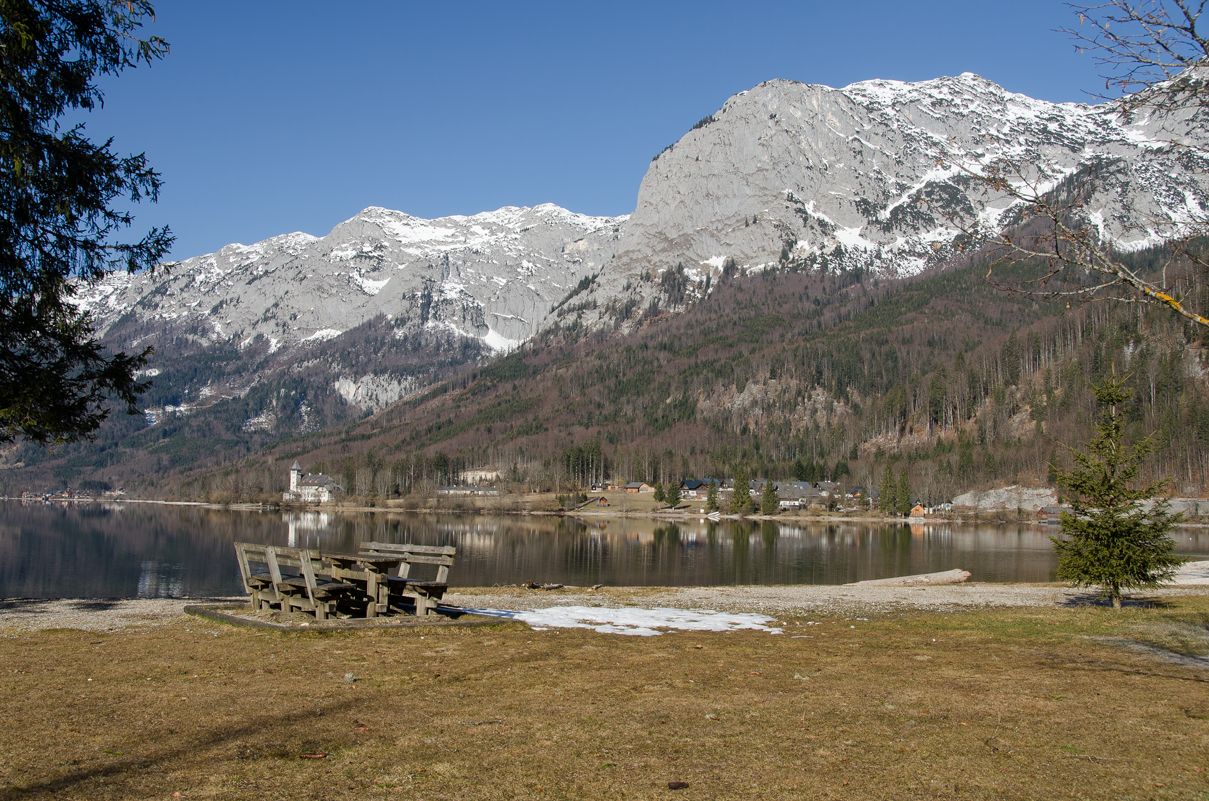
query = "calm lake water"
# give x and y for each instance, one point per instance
(145, 550)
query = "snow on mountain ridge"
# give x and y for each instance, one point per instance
(294, 285)
(882, 175)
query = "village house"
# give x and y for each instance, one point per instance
(828, 489)
(635, 487)
(796, 494)
(697, 488)
(310, 487)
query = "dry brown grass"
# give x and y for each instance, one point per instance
(1007, 704)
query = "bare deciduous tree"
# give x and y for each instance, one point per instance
(1157, 53)
(1142, 43)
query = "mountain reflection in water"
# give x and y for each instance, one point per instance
(150, 550)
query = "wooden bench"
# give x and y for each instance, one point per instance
(289, 579)
(421, 594)
(260, 574)
(309, 590)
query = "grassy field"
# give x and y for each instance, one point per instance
(1035, 704)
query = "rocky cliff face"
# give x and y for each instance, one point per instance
(884, 176)
(491, 277)
(369, 313)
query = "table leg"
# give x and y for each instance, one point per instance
(371, 589)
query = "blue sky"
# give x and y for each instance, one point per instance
(270, 116)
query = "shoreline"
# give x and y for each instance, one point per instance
(24, 615)
(1001, 518)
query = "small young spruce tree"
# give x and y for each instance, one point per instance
(903, 495)
(770, 504)
(1109, 539)
(711, 498)
(740, 501)
(660, 495)
(671, 496)
(887, 499)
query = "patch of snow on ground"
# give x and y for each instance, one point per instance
(635, 621)
(1192, 574)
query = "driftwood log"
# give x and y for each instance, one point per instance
(955, 576)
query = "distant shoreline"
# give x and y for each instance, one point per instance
(988, 517)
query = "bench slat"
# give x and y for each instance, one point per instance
(421, 560)
(394, 548)
(407, 582)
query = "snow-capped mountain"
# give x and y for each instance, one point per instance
(491, 277)
(301, 331)
(885, 175)
(880, 175)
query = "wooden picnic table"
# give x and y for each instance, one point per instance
(370, 570)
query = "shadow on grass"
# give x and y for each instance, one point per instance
(116, 771)
(1133, 669)
(1135, 602)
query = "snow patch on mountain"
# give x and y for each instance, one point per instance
(322, 335)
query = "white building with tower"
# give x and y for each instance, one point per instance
(310, 487)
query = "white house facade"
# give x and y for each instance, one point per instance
(310, 487)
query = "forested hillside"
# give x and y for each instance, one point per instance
(805, 374)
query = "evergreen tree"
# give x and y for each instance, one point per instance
(711, 498)
(63, 206)
(770, 504)
(1109, 539)
(660, 495)
(740, 501)
(887, 499)
(903, 496)
(805, 471)
(671, 496)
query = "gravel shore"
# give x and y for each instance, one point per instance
(23, 615)
(801, 599)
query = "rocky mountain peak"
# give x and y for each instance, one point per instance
(880, 176)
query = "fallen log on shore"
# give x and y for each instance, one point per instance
(955, 576)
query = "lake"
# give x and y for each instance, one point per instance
(151, 550)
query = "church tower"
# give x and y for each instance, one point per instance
(295, 476)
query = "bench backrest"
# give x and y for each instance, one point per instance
(254, 559)
(279, 562)
(298, 562)
(439, 555)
